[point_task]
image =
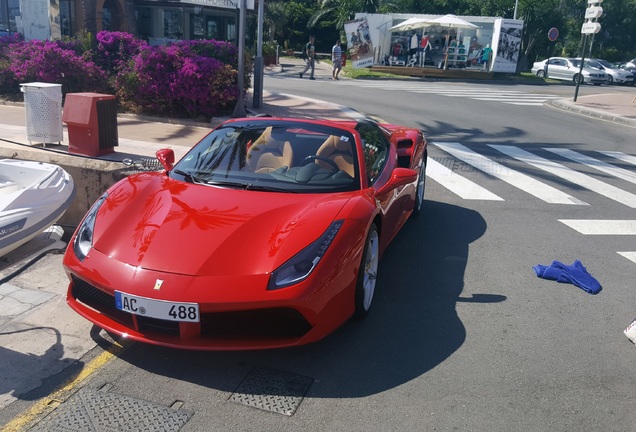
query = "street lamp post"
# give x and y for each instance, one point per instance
(258, 61)
(239, 108)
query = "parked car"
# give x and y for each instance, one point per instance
(615, 75)
(562, 68)
(267, 233)
(630, 65)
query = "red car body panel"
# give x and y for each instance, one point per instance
(218, 247)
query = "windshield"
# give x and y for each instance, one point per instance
(594, 64)
(273, 156)
(606, 63)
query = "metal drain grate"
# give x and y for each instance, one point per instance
(272, 390)
(93, 411)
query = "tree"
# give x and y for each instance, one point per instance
(287, 20)
(339, 12)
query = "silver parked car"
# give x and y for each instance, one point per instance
(615, 75)
(630, 65)
(567, 69)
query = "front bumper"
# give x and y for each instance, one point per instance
(236, 312)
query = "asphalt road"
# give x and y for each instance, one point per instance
(462, 335)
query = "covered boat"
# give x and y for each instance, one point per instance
(33, 196)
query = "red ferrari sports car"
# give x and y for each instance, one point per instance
(266, 234)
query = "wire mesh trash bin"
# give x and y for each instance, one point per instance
(43, 108)
(91, 120)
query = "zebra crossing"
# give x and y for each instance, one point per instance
(444, 172)
(511, 97)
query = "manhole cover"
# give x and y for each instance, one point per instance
(95, 411)
(272, 390)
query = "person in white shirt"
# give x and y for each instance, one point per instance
(336, 60)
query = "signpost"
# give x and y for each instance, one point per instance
(590, 27)
(553, 34)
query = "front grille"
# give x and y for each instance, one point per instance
(274, 323)
(260, 323)
(155, 325)
(99, 300)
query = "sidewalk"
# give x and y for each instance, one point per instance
(618, 108)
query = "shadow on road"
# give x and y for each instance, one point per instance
(413, 325)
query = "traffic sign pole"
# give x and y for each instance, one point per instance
(590, 27)
(578, 80)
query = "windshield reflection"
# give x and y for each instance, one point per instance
(273, 156)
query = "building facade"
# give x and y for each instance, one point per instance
(156, 21)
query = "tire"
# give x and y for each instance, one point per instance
(420, 188)
(577, 78)
(540, 73)
(367, 274)
(610, 80)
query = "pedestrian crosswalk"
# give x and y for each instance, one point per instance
(482, 93)
(450, 173)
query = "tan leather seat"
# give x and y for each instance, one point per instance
(339, 152)
(267, 154)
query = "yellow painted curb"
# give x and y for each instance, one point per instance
(48, 404)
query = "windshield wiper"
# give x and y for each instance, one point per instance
(254, 187)
(190, 177)
(247, 186)
(227, 184)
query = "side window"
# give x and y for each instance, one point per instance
(376, 150)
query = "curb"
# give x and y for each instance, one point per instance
(567, 105)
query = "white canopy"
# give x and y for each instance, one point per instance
(451, 21)
(410, 24)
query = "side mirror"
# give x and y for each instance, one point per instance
(399, 177)
(166, 158)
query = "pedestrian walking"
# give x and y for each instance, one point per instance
(309, 52)
(336, 59)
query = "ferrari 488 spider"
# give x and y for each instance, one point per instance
(266, 234)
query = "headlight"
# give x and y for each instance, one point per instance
(84, 239)
(299, 267)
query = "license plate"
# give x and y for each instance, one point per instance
(161, 309)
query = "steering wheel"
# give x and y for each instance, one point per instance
(329, 162)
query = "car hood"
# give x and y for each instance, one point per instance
(157, 223)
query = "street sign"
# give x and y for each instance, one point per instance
(553, 34)
(591, 28)
(593, 12)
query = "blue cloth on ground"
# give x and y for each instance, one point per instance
(575, 274)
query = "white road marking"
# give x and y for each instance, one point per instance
(629, 255)
(477, 93)
(524, 182)
(457, 184)
(566, 173)
(621, 156)
(601, 226)
(595, 163)
(525, 104)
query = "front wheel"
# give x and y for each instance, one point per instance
(540, 73)
(610, 80)
(367, 274)
(578, 79)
